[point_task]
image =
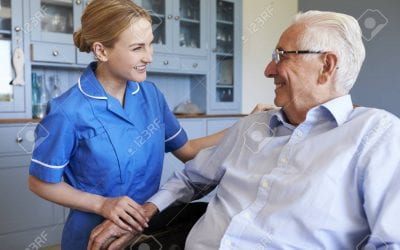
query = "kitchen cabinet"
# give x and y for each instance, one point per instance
(226, 56)
(26, 220)
(180, 35)
(12, 95)
(51, 27)
(179, 26)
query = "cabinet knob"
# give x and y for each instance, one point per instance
(195, 65)
(177, 17)
(17, 28)
(166, 62)
(55, 53)
(170, 16)
(78, 2)
(19, 139)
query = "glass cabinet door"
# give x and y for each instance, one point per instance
(157, 10)
(224, 52)
(52, 20)
(189, 25)
(11, 95)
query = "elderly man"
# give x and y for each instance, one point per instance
(316, 174)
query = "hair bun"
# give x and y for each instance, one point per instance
(80, 42)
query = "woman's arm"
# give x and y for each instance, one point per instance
(121, 210)
(192, 147)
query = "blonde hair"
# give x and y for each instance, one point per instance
(103, 21)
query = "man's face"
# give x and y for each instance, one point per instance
(295, 77)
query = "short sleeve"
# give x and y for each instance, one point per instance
(54, 143)
(175, 135)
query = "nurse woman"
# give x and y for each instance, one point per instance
(103, 141)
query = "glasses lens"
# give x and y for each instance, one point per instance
(275, 56)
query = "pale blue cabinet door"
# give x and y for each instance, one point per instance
(12, 37)
(226, 57)
(23, 215)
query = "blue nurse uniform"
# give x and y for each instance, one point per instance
(100, 147)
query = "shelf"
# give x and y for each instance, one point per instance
(222, 85)
(225, 22)
(189, 20)
(5, 32)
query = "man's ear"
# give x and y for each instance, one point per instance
(100, 52)
(329, 67)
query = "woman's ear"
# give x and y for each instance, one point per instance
(329, 67)
(100, 52)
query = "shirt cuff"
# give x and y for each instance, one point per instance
(51, 174)
(162, 199)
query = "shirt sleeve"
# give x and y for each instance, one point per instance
(54, 143)
(199, 176)
(380, 184)
(175, 135)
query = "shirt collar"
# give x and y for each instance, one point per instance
(91, 87)
(339, 108)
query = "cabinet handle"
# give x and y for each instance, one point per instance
(195, 65)
(19, 139)
(170, 16)
(177, 18)
(78, 2)
(55, 53)
(17, 28)
(166, 62)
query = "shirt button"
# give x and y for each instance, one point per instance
(299, 133)
(264, 184)
(247, 216)
(228, 243)
(283, 160)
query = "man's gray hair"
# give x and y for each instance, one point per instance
(336, 32)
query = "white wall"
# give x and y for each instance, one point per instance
(263, 23)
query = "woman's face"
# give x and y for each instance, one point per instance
(133, 51)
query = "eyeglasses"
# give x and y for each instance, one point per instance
(277, 53)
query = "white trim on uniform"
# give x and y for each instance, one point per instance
(91, 96)
(49, 166)
(175, 135)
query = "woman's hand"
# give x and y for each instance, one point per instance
(262, 107)
(125, 213)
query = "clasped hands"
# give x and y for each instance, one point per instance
(125, 221)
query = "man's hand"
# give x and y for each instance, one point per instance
(108, 235)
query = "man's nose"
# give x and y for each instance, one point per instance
(270, 69)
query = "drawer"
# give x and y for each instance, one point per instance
(164, 63)
(17, 139)
(52, 52)
(194, 65)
